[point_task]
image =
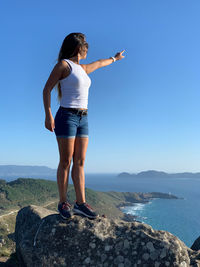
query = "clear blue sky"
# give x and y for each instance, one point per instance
(144, 110)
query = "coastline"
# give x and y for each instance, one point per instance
(132, 218)
(129, 217)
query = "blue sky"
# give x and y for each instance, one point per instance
(144, 110)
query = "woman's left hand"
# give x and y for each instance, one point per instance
(119, 55)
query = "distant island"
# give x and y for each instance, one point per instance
(159, 174)
(12, 172)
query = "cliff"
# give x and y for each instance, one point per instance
(43, 238)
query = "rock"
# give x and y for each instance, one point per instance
(196, 244)
(150, 246)
(126, 244)
(107, 248)
(43, 238)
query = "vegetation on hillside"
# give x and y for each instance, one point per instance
(26, 191)
(23, 191)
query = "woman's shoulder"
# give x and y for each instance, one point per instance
(83, 66)
(64, 64)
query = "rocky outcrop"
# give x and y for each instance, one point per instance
(196, 244)
(43, 238)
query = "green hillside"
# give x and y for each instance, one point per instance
(25, 191)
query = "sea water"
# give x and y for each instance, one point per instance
(181, 217)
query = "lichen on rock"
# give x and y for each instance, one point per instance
(43, 238)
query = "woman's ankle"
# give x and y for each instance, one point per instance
(80, 202)
(61, 201)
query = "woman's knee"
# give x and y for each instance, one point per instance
(65, 164)
(79, 162)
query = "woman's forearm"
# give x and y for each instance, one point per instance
(105, 62)
(108, 61)
(47, 102)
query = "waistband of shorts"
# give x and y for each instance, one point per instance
(76, 111)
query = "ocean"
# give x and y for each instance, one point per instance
(181, 217)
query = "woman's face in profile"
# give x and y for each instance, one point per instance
(84, 50)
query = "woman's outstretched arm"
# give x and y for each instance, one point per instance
(101, 63)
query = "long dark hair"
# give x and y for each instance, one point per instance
(71, 46)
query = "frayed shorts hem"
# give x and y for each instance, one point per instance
(66, 136)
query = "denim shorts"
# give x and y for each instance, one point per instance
(69, 124)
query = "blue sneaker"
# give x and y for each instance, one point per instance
(84, 209)
(64, 209)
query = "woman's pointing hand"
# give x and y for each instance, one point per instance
(119, 55)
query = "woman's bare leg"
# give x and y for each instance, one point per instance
(66, 150)
(78, 176)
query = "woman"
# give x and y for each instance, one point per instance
(71, 121)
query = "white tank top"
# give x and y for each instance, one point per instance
(75, 87)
